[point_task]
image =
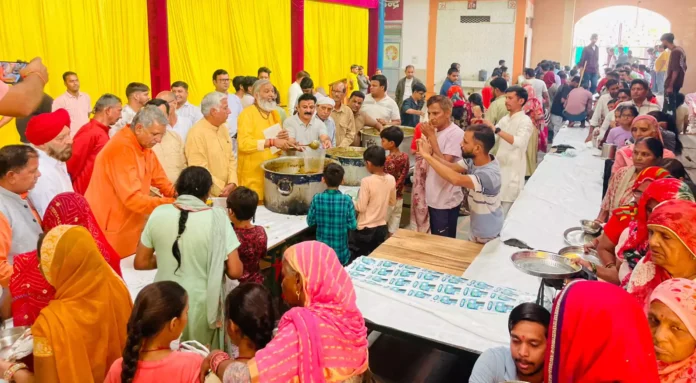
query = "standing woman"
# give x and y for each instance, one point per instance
(420, 217)
(83, 330)
(159, 316)
(193, 244)
(537, 141)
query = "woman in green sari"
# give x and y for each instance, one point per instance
(193, 244)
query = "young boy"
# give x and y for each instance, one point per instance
(412, 107)
(333, 213)
(377, 194)
(241, 207)
(397, 166)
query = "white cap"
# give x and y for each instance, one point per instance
(325, 101)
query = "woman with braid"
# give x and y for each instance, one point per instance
(195, 245)
(158, 318)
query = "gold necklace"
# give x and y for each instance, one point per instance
(265, 115)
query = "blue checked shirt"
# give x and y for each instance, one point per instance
(333, 213)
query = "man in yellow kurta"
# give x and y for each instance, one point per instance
(208, 144)
(119, 191)
(254, 147)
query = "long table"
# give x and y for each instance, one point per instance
(563, 190)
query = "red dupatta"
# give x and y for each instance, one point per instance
(599, 333)
(30, 290)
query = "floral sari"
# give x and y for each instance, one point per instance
(678, 217)
(83, 329)
(680, 296)
(582, 350)
(324, 341)
(420, 218)
(30, 290)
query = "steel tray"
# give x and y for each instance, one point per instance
(544, 265)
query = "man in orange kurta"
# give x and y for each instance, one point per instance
(119, 192)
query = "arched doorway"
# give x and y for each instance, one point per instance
(632, 27)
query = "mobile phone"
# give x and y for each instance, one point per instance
(9, 71)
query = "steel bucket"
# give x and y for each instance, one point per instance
(608, 151)
(287, 188)
(351, 158)
(370, 137)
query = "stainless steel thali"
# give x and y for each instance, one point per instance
(545, 265)
(575, 236)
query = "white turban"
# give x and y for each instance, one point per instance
(326, 101)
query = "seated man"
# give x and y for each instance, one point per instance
(303, 128)
(524, 360)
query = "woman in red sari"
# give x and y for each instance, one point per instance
(598, 333)
(30, 290)
(420, 218)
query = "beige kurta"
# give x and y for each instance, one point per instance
(210, 147)
(170, 153)
(345, 125)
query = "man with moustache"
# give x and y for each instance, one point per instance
(324, 107)
(342, 115)
(49, 133)
(303, 128)
(524, 360)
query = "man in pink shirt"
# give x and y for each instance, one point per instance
(442, 197)
(578, 105)
(77, 104)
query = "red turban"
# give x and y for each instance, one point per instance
(45, 127)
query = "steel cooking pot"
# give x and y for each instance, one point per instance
(370, 137)
(351, 158)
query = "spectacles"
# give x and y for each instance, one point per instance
(224, 80)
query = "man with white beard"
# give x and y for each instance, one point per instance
(254, 147)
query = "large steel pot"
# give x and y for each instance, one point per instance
(287, 188)
(370, 137)
(351, 159)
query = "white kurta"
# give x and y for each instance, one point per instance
(54, 180)
(513, 157)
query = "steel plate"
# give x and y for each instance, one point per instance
(544, 265)
(580, 251)
(575, 236)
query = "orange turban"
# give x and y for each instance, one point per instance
(45, 127)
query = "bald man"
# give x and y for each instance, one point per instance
(170, 152)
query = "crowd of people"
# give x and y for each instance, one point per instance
(95, 184)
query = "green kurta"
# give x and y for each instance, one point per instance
(160, 233)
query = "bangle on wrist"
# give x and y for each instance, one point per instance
(12, 370)
(594, 267)
(217, 358)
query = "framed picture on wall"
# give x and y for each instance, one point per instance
(392, 55)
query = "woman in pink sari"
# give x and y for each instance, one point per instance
(30, 290)
(641, 127)
(323, 338)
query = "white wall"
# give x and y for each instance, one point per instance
(414, 39)
(474, 46)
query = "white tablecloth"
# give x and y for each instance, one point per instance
(562, 191)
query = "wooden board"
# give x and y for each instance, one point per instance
(447, 255)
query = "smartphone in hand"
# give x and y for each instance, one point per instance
(9, 71)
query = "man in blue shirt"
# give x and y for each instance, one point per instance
(452, 78)
(412, 107)
(524, 359)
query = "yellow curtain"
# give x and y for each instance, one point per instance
(104, 41)
(329, 50)
(239, 36)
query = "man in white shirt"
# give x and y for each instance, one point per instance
(379, 105)
(325, 106)
(138, 95)
(183, 107)
(295, 91)
(513, 131)
(540, 90)
(77, 104)
(639, 99)
(49, 133)
(303, 128)
(248, 86)
(404, 87)
(601, 111)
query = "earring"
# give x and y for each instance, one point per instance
(298, 294)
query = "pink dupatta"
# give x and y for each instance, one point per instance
(326, 340)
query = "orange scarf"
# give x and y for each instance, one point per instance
(84, 328)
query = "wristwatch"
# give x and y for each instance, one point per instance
(497, 130)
